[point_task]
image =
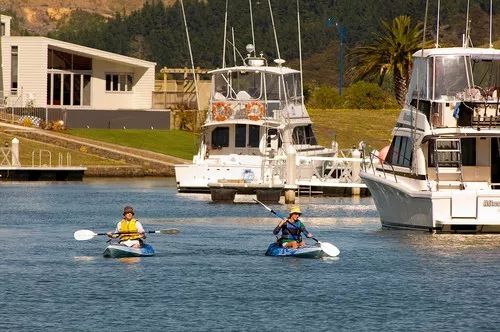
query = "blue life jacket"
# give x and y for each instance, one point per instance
(291, 231)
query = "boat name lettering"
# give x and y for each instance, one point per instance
(491, 203)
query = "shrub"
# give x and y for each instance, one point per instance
(362, 95)
(325, 97)
(26, 122)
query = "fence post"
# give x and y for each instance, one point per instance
(15, 152)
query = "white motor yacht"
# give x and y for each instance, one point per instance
(256, 115)
(442, 170)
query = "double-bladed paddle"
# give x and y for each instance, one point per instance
(328, 248)
(85, 234)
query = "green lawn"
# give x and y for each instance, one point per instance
(175, 143)
(351, 126)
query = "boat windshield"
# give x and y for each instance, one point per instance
(454, 77)
(455, 74)
(245, 85)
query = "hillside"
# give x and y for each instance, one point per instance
(41, 16)
(153, 29)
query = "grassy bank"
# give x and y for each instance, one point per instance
(350, 126)
(175, 143)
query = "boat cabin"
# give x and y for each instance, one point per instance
(248, 107)
(457, 94)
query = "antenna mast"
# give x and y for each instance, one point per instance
(224, 44)
(437, 28)
(467, 27)
(491, 22)
(191, 56)
(274, 30)
(253, 32)
(300, 55)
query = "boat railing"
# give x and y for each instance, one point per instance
(343, 169)
(382, 163)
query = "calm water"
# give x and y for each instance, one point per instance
(214, 275)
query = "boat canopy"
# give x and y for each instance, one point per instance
(452, 74)
(256, 83)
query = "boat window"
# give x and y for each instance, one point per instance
(486, 74)
(418, 82)
(401, 151)
(246, 83)
(221, 85)
(240, 136)
(272, 86)
(450, 76)
(468, 146)
(304, 135)
(292, 84)
(220, 137)
(253, 136)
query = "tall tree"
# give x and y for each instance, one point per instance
(390, 53)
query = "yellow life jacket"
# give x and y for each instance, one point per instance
(129, 227)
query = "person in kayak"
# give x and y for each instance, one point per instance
(129, 230)
(291, 230)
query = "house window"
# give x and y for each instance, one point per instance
(68, 89)
(67, 61)
(14, 70)
(119, 82)
(2, 29)
(68, 79)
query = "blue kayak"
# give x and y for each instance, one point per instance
(119, 251)
(275, 249)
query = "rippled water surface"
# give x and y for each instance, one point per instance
(213, 275)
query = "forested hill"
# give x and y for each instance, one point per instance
(156, 31)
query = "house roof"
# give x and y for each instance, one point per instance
(85, 51)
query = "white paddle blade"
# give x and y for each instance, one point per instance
(83, 235)
(329, 249)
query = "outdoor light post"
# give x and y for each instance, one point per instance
(342, 32)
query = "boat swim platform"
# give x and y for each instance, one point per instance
(13, 173)
(271, 193)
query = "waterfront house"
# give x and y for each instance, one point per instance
(83, 86)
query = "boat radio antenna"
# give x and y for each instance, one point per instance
(491, 21)
(274, 30)
(225, 35)
(465, 42)
(300, 55)
(234, 46)
(437, 25)
(251, 23)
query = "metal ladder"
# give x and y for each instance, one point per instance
(448, 151)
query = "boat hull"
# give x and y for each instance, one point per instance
(458, 211)
(275, 249)
(120, 251)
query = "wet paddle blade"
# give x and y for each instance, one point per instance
(329, 249)
(168, 231)
(83, 235)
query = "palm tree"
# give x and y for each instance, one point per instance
(390, 53)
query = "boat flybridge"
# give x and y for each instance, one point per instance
(442, 170)
(256, 114)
